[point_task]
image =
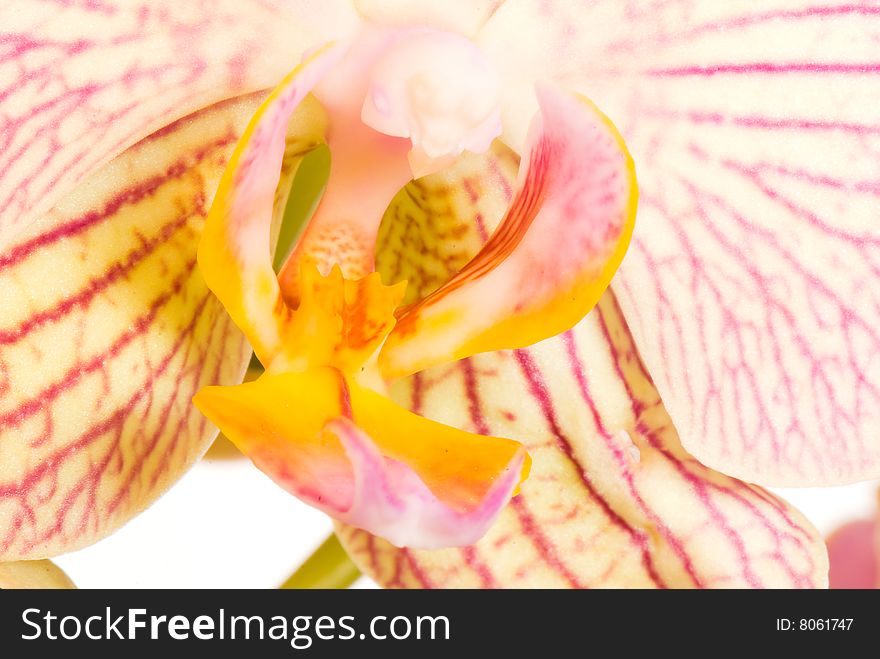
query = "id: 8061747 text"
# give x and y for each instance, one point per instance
(814, 624)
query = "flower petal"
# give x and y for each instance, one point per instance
(33, 574)
(613, 498)
(362, 459)
(550, 259)
(751, 284)
(106, 331)
(83, 81)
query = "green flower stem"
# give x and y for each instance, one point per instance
(328, 567)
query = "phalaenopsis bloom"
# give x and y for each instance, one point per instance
(581, 280)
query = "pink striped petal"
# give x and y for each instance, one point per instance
(106, 331)
(613, 499)
(83, 81)
(751, 286)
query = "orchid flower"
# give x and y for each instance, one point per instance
(737, 339)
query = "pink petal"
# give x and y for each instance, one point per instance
(751, 285)
(612, 499)
(83, 81)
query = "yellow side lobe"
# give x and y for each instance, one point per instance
(235, 252)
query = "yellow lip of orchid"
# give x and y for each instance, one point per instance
(308, 422)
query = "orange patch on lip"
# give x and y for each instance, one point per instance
(363, 459)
